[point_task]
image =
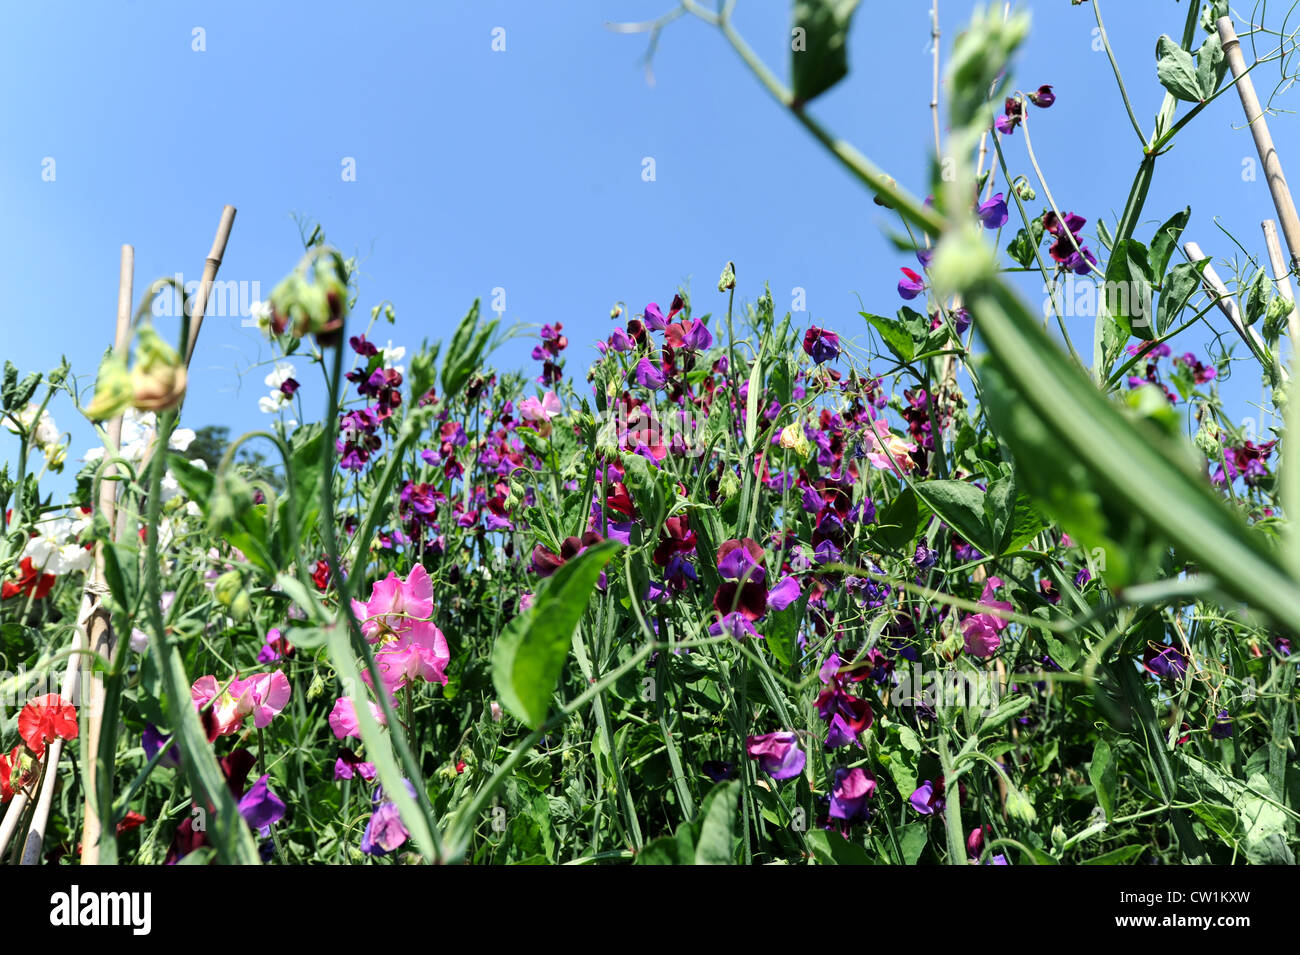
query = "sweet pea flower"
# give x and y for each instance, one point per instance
(993, 212)
(821, 345)
(410, 646)
(850, 792)
(650, 375)
(910, 285)
(261, 808)
(777, 753)
(343, 718)
(980, 630)
(46, 719)
(925, 800)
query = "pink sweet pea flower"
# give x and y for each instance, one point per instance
(879, 451)
(410, 646)
(981, 630)
(264, 696)
(392, 602)
(540, 412)
(343, 718)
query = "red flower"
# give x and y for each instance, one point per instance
(46, 719)
(321, 575)
(13, 775)
(30, 583)
(132, 820)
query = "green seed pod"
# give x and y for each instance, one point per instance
(316, 689)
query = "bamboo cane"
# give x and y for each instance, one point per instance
(1277, 185)
(102, 641)
(1228, 306)
(210, 268)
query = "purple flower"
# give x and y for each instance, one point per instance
(993, 212)
(783, 594)
(650, 375)
(925, 800)
(718, 769)
(777, 753)
(654, 319)
(735, 625)
(1042, 97)
(154, 740)
(821, 345)
(1222, 728)
(385, 831)
(850, 792)
(1166, 661)
(910, 285)
(261, 808)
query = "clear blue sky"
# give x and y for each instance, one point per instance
(520, 169)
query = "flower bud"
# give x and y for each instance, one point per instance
(113, 389)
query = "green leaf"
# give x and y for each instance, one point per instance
(999, 509)
(717, 842)
(1127, 290)
(529, 656)
(819, 55)
(1211, 65)
(1176, 71)
(899, 523)
(1179, 286)
(1117, 479)
(911, 840)
(468, 346)
(1102, 773)
(831, 848)
(1023, 245)
(1166, 240)
(1121, 856)
(961, 507)
(1257, 294)
(894, 334)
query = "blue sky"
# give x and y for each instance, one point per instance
(522, 169)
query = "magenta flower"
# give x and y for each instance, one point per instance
(777, 753)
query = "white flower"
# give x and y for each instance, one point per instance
(277, 399)
(45, 433)
(52, 552)
(138, 430)
(282, 372)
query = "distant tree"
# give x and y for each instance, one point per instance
(209, 444)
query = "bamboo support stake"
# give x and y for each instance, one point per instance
(1282, 278)
(1228, 306)
(210, 268)
(50, 770)
(102, 641)
(1277, 185)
